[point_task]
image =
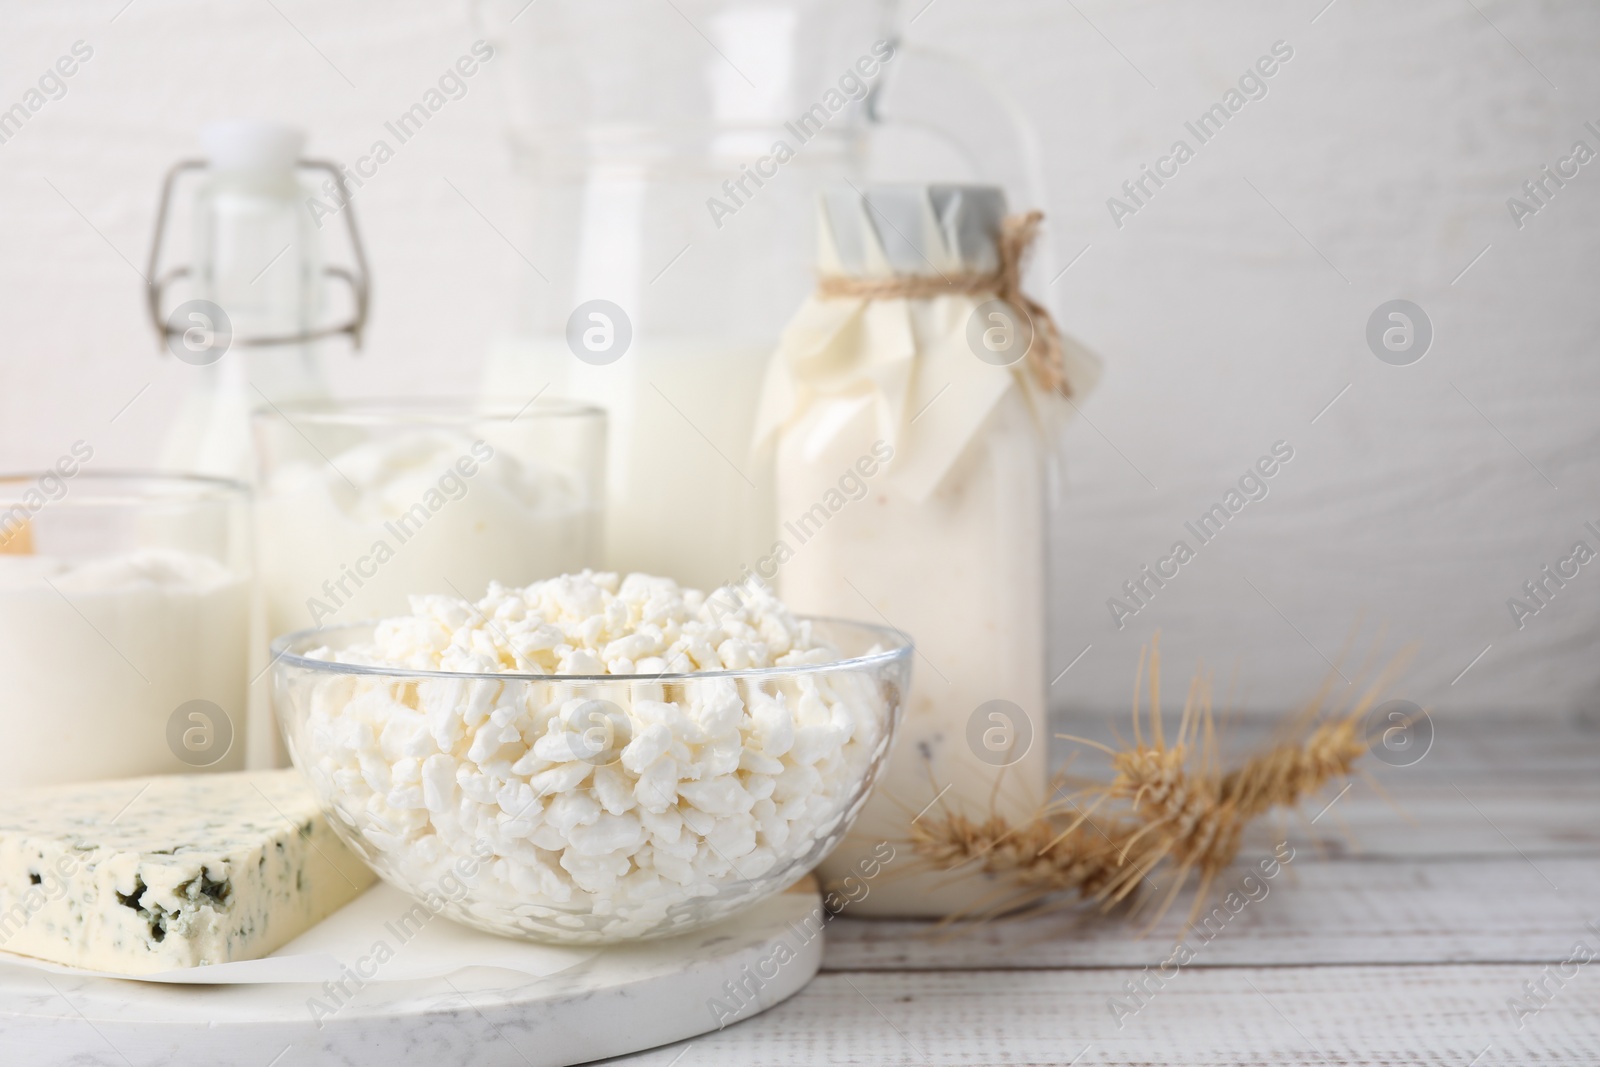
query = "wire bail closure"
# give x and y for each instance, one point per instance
(359, 281)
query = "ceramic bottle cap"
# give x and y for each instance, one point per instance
(252, 146)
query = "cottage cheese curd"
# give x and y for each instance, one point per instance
(587, 809)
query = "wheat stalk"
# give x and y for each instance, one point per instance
(1167, 805)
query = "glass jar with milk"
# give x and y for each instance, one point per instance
(913, 407)
(124, 624)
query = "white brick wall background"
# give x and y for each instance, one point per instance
(1230, 309)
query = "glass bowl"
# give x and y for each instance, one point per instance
(592, 809)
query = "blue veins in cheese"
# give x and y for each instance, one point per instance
(146, 875)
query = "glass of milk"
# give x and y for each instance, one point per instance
(124, 624)
(363, 503)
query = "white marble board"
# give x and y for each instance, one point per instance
(624, 999)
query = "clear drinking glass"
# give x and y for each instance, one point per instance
(363, 503)
(124, 624)
(515, 842)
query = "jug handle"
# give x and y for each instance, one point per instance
(478, 16)
(939, 93)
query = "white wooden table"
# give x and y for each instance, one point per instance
(1398, 935)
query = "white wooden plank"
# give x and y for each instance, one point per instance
(1465, 815)
(1483, 788)
(1493, 910)
(1505, 747)
(1509, 745)
(1256, 1017)
(1460, 817)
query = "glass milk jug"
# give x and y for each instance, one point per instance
(669, 156)
(914, 413)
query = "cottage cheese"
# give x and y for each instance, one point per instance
(595, 810)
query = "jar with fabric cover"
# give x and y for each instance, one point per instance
(914, 408)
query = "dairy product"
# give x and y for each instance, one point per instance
(145, 875)
(594, 810)
(349, 538)
(908, 344)
(684, 496)
(964, 571)
(97, 654)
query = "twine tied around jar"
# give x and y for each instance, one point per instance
(1017, 234)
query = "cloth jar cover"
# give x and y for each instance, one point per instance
(933, 393)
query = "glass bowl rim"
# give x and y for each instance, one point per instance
(191, 488)
(426, 410)
(903, 650)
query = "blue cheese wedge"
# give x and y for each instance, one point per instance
(146, 875)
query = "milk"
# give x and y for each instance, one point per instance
(93, 670)
(964, 573)
(685, 498)
(915, 437)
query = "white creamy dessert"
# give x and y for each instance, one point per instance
(605, 809)
(350, 538)
(97, 654)
(143, 876)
